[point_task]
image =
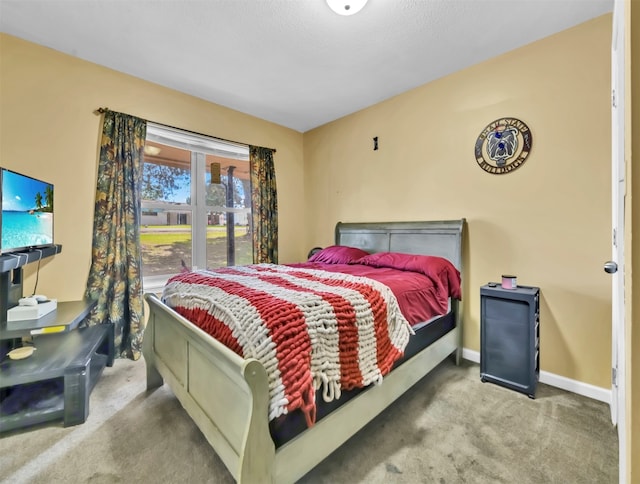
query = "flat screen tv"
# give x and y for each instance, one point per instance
(27, 212)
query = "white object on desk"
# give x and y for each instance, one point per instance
(21, 353)
(27, 301)
(32, 300)
(24, 312)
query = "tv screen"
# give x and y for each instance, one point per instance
(27, 212)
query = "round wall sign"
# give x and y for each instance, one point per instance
(503, 146)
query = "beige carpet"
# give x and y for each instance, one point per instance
(450, 428)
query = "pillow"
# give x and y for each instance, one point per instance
(338, 254)
(440, 270)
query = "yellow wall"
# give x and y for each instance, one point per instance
(48, 130)
(632, 212)
(548, 222)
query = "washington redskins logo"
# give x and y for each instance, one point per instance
(503, 146)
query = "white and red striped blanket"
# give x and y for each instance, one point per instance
(311, 329)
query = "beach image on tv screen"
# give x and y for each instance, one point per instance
(27, 212)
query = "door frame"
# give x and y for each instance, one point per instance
(618, 187)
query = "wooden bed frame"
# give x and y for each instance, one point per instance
(227, 396)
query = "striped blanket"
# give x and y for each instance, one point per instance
(311, 329)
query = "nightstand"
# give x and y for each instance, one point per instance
(510, 337)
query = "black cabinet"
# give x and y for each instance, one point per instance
(510, 337)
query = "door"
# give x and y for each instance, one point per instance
(616, 265)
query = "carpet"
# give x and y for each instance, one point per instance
(449, 428)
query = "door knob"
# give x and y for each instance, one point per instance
(610, 267)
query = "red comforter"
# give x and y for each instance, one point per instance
(420, 298)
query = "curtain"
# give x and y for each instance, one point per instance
(264, 205)
(115, 274)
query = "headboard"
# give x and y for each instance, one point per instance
(441, 238)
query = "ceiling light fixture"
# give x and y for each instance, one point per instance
(151, 150)
(346, 7)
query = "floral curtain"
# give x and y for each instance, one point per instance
(264, 205)
(115, 274)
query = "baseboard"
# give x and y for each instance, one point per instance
(471, 355)
(574, 386)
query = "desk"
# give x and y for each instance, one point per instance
(56, 381)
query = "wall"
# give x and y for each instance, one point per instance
(49, 130)
(548, 222)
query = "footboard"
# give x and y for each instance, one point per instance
(226, 395)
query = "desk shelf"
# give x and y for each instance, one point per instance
(45, 409)
(66, 400)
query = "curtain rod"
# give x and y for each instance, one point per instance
(104, 110)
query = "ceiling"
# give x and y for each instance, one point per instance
(292, 62)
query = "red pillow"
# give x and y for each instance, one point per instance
(438, 269)
(338, 254)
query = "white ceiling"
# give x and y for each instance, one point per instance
(292, 62)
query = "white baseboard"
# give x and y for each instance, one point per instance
(574, 386)
(471, 355)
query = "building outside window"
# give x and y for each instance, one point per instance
(196, 204)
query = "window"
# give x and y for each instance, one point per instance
(196, 204)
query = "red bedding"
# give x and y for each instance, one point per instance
(420, 297)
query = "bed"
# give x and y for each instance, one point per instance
(227, 396)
